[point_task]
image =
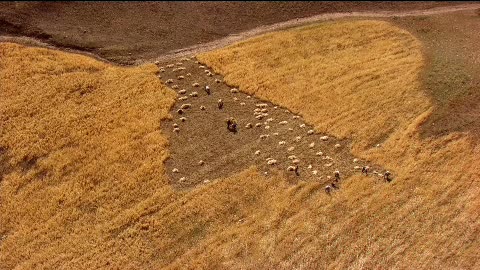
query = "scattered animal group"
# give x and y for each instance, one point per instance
(260, 112)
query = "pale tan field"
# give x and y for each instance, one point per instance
(85, 185)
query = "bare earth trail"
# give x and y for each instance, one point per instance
(298, 22)
(192, 50)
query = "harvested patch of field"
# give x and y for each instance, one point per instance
(267, 136)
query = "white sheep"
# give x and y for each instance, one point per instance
(298, 138)
(355, 160)
(157, 62)
(162, 70)
(337, 145)
(257, 152)
(183, 91)
(194, 94)
(248, 125)
(175, 170)
(169, 81)
(249, 97)
(242, 103)
(258, 124)
(180, 111)
(283, 122)
(292, 157)
(186, 106)
(309, 166)
(170, 65)
(324, 138)
(183, 119)
(302, 125)
(291, 148)
(179, 63)
(201, 162)
(235, 99)
(290, 129)
(176, 129)
(272, 162)
(201, 67)
(314, 172)
(188, 74)
(275, 134)
(202, 108)
(234, 90)
(207, 89)
(175, 125)
(264, 136)
(281, 143)
(261, 105)
(195, 84)
(180, 77)
(311, 145)
(175, 86)
(182, 98)
(183, 179)
(295, 117)
(269, 120)
(310, 132)
(264, 110)
(267, 127)
(319, 153)
(328, 164)
(295, 161)
(218, 81)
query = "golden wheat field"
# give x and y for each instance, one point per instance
(85, 185)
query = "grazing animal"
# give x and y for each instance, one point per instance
(220, 104)
(337, 175)
(386, 176)
(294, 169)
(328, 189)
(365, 169)
(207, 89)
(232, 125)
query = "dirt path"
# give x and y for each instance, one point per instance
(193, 50)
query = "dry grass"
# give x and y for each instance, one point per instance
(103, 202)
(360, 79)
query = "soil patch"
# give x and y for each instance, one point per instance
(204, 149)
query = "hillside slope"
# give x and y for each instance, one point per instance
(83, 183)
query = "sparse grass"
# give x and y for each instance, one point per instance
(104, 203)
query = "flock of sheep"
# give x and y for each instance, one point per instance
(261, 119)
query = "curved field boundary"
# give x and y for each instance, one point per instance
(298, 22)
(250, 33)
